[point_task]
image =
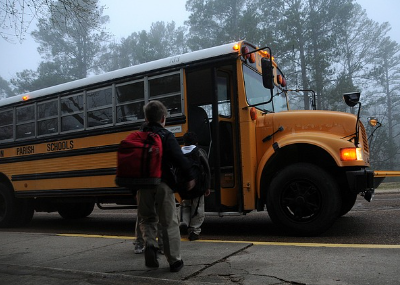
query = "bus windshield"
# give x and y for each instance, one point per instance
(256, 93)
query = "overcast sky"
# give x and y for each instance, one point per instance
(128, 16)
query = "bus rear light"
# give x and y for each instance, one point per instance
(281, 80)
(253, 113)
(245, 52)
(350, 154)
(252, 58)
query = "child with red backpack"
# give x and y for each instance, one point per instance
(157, 203)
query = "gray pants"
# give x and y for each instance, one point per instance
(160, 200)
(139, 234)
(189, 216)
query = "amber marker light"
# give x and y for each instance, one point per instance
(350, 154)
(279, 78)
(252, 58)
(25, 98)
(253, 113)
(236, 47)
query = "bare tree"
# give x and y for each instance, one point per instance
(16, 16)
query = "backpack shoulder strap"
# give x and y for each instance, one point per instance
(163, 133)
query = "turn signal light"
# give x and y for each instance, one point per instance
(350, 154)
(253, 113)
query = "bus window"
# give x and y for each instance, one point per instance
(47, 117)
(280, 102)
(72, 113)
(99, 107)
(280, 99)
(130, 102)
(167, 89)
(255, 91)
(224, 101)
(6, 124)
(164, 85)
(173, 104)
(25, 122)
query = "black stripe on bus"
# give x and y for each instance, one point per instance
(67, 153)
(115, 191)
(65, 174)
(58, 154)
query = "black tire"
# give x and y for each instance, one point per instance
(348, 200)
(8, 206)
(75, 210)
(303, 200)
(13, 212)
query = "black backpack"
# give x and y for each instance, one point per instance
(200, 175)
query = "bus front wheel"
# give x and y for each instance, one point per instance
(75, 210)
(303, 199)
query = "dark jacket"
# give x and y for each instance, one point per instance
(172, 155)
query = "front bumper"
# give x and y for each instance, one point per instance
(363, 181)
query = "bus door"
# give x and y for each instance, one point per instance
(211, 117)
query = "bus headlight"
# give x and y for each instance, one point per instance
(351, 153)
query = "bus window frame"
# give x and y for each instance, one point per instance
(129, 102)
(277, 90)
(33, 104)
(167, 95)
(48, 118)
(73, 113)
(224, 75)
(13, 124)
(82, 110)
(99, 108)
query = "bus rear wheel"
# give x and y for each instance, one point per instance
(75, 210)
(303, 200)
(7, 206)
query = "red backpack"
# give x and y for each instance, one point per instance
(139, 160)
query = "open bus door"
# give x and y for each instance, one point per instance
(211, 117)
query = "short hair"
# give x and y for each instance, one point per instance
(154, 111)
(190, 138)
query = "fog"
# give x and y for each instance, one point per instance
(127, 16)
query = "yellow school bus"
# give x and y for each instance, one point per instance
(58, 145)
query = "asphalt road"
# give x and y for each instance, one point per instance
(377, 222)
(361, 248)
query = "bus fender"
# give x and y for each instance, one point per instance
(4, 179)
(329, 144)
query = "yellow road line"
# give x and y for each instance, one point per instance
(393, 246)
(96, 236)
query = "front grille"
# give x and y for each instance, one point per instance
(364, 138)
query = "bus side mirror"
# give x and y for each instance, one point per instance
(351, 99)
(267, 73)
